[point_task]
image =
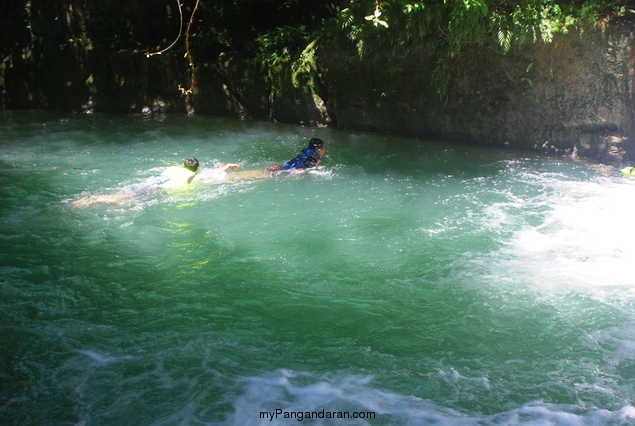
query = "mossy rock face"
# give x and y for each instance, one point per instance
(574, 96)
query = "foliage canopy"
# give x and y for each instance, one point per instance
(441, 29)
(283, 35)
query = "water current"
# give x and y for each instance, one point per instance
(404, 282)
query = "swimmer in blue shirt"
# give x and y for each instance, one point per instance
(308, 158)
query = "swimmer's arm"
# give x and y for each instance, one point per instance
(228, 166)
(218, 170)
(214, 175)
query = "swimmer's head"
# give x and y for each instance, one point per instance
(191, 164)
(318, 146)
(316, 143)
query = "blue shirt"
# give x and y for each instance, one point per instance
(306, 159)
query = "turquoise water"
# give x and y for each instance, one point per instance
(408, 282)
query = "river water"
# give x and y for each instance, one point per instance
(405, 282)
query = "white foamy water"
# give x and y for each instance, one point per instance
(583, 241)
(286, 397)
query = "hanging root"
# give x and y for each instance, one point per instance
(148, 54)
(193, 87)
(188, 54)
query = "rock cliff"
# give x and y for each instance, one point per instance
(573, 96)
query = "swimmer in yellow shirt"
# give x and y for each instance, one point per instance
(177, 176)
(171, 178)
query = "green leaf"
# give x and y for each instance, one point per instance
(504, 40)
(484, 9)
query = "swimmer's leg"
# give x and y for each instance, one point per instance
(248, 174)
(84, 202)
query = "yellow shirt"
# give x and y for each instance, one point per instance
(177, 176)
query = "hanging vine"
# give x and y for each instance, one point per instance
(149, 54)
(188, 54)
